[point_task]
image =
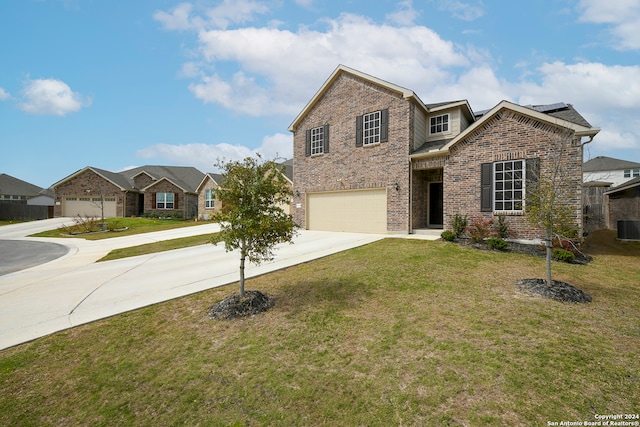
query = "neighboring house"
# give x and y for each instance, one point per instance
(208, 204)
(624, 205)
(370, 156)
(162, 190)
(609, 170)
(15, 189)
(20, 200)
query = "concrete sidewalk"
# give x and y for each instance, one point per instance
(74, 289)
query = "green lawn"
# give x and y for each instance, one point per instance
(399, 332)
(120, 227)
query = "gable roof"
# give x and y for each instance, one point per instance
(186, 178)
(484, 116)
(12, 186)
(603, 163)
(342, 69)
(215, 177)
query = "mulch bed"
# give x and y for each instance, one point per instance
(560, 291)
(234, 307)
(521, 248)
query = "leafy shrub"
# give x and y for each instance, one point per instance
(479, 229)
(497, 243)
(459, 225)
(563, 255)
(114, 224)
(502, 227)
(448, 235)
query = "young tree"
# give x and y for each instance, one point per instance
(547, 197)
(252, 220)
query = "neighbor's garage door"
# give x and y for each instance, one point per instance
(89, 207)
(363, 211)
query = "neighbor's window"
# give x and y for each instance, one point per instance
(439, 124)
(371, 128)
(164, 200)
(317, 140)
(628, 173)
(508, 185)
(209, 198)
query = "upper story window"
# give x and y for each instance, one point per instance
(372, 128)
(628, 173)
(164, 200)
(209, 198)
(439, 124)
(317, 141)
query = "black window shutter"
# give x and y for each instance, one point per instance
(359, 131)
(384, 125)
(175, 200)
(486, 187)
(307, 150)
(533, 171)
(326, 139)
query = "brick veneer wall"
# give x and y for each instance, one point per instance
(510, 135)
(87, 180)
(347, 167)
(181, 199)
(624, 206)
(217, 204)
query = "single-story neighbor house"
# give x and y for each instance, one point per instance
(624, 205)
(371, 156)
(607, 169)
(24, 201)
(162, 190)
(208, 203)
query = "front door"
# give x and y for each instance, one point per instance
(435, 204)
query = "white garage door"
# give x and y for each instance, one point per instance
(88, 207)
(361, 211)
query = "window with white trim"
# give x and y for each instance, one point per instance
(371, 128)
(317, 140)
(164, 200)
(628, 173)
(209, 198)
(509, 185)
(439, 124)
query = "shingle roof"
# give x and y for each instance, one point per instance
(187, 177)
(17, 187)
(603, 163)
(559, 109)
(635, 182)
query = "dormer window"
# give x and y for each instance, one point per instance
(439, 124)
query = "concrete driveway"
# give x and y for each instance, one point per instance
(74, 289)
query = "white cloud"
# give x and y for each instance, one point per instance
(50, 96)
(621, 15)
(268, 83)
(405, 15)
(221, 16)
(462, 10)
(204, 156)
(4, 94)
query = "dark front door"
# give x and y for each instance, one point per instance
(435, 204)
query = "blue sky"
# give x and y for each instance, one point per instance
(117, 84)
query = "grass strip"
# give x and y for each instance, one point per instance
(161, 246)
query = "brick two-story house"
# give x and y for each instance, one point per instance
(370, 156)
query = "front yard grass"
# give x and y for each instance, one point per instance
(123, 227)
(399, 332)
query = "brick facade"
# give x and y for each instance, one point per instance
(511, 136)
(347, 167)
(94, 183)
(203, 211)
